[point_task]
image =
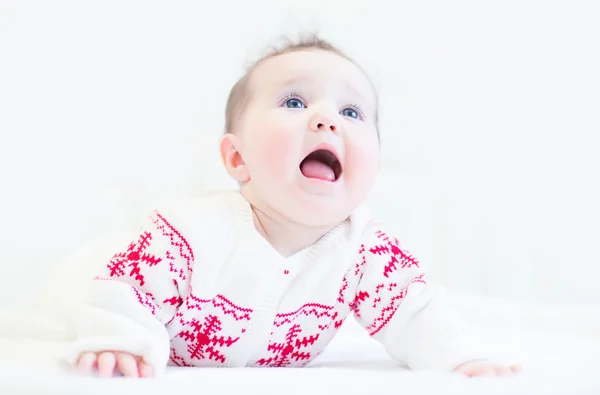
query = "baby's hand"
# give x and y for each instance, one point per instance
(113, 362)
(486, 368)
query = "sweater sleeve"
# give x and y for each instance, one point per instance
(411, 318)
(134, 295)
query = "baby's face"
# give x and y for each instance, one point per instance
(308, 137)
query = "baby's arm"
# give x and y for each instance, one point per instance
(130, 301)
(409, 317)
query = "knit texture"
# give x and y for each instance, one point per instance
(199, 286)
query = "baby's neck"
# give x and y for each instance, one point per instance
(286, 237)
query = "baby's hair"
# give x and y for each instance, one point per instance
(239, 94)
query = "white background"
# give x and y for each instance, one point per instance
(490, 118)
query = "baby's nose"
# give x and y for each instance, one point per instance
(321, 123)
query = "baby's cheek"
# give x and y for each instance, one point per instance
(273, 152)
(362, 163)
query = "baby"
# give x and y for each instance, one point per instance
(266, 275)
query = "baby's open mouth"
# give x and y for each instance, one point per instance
(321, 164)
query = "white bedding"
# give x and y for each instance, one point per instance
(559, 348)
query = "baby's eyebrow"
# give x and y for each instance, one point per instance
(357, 93)
(294, 80)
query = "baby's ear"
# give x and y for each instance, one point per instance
(232, 158)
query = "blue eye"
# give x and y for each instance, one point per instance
(350, 112)
(294, 103)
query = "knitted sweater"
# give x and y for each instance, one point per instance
(199, 286)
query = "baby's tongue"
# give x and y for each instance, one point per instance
(314, 169)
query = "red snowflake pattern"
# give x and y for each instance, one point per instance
(390, 247)
(203, 340)
(300, 336)
(128, 262)
(207, 327)
(289, 351)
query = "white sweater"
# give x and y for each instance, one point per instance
(199, 286)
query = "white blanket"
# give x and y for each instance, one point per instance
(558, 346)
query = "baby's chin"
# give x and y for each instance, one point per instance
(311, 203)
(318, 211)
